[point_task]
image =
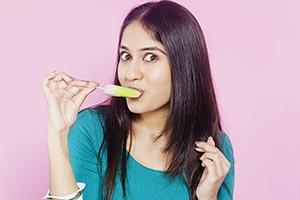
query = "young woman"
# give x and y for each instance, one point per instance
(165, 144)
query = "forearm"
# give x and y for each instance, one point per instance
(62, 179)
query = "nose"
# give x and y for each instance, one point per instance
(133, 71)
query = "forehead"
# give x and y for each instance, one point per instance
(135, 36)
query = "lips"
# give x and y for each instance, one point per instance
(138, 89)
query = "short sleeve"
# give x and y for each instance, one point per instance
(227, 187)
(84, 140)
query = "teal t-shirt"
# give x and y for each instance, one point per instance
(85, 138)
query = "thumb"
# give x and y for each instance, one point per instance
(211, 141)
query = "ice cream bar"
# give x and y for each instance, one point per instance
(119, 91)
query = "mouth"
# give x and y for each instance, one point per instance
(138, 89)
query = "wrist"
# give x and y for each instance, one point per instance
(57, 142)
(53, 130)
(207, 198)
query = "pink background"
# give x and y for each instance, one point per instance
(254, 49)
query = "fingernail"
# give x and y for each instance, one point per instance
(94, 83)
(85, 82)
(199, 149)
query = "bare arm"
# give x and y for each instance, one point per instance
(63, 101)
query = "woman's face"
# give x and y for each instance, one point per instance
(144, 65)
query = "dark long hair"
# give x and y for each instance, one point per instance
(193, 112)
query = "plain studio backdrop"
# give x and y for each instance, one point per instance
(254, 52)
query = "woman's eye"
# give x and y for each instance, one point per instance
(125, 56)
(150, 57)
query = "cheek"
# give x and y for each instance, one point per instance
(120, 73)
(160, 78)
(160, 82)
(166, 81)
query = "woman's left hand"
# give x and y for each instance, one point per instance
(216, 167)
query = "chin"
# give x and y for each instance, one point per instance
(136, 109)
(140, 108)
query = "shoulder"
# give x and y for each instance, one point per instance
(88, 128)
(89, 119)
(227, 189)
(84, 141)
(90, 115)
(226, 145)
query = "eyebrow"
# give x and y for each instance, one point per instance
(145, 49)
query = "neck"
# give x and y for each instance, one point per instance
(145, 140)
(151, 123)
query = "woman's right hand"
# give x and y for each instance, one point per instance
(64, 96)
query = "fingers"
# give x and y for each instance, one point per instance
(75, 87)
(206, 146)
(213, 159)
(63, 76)
(210, 155)
(60, 81)
(218, 159)
(55, 80)
(91, 86)
(210, 166)
(78, 83)
(71, 92)
(62, 86)
(216, 165)
(45, 83)
(211, 141)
